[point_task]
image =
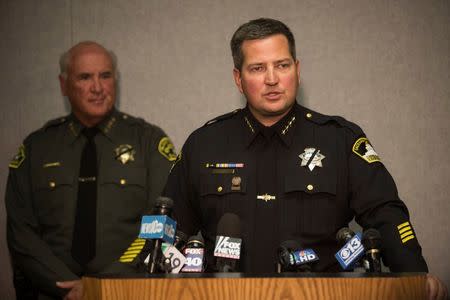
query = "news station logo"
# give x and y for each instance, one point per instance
(194, 260)
(350, 252)
(158, 227)
(304, 256)
(228, 247)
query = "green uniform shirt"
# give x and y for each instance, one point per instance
(134, 158)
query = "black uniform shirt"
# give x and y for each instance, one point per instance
(262, 180)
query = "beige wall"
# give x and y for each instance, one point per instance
(383, 64)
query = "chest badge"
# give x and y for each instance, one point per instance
(236, 183)
(266, 197)
(311, 158)
(125, 153)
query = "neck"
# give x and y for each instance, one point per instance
(269, 120)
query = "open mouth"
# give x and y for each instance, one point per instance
(273, 95)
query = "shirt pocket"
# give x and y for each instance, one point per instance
(311, 203)
(55, 190)
(122, 193)
(220, 193)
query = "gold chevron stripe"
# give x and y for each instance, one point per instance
(407, 239)
(404, 229)
(406, 234)
(402, 225)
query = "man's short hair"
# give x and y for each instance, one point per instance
(66, 57)
(255, 30)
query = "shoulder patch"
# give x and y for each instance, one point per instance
(167, 149)
(18, 158)
(222, 117)
(364, 149)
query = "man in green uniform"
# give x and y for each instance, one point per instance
(79, 186)
(287, 172)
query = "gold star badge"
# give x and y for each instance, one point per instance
(125, 153)
(311, 158)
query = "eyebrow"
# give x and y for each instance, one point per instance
(275, 62)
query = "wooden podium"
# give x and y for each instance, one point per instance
(243, 286)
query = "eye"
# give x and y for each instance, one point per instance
(283, 65)
(84, 76)
(256, 69)
(106, 75)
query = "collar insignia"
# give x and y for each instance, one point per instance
(311, 158)
(125, 153)
(288, 125)
(249, 124)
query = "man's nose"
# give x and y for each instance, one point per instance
(271, 77)
(97, 86)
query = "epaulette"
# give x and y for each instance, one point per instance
(130, 119)
(222, 117)
(321, 119)
(55, 122)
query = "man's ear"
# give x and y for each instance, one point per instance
(238, 79)
(63, 85)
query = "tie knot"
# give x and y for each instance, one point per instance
(90, 132)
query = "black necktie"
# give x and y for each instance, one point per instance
(83, 242)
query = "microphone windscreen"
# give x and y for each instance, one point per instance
(163, 206)
(344, 235)
(229, 225)
(371, 239)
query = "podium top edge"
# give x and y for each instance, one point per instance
(250, 275)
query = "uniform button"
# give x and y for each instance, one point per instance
(219, 189)
(123, 181)
(125, 117)
(310, 187)
(309, 115)
(52, 184)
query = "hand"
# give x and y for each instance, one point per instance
(76, 289)
(436, 289)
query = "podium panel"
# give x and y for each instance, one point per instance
(405, 286)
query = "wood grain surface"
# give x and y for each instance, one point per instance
(407, 287)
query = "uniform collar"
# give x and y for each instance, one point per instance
(284, 128)
(106, 126)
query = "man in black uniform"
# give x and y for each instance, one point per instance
(288, 172)
(79, 186)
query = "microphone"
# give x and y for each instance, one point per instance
(352, 250)
(299, 260)
(194, 253)
(372, 242)
(344, 235)
(304, 258)
(181, 239)
(228, 243)
(173, 259)
(158, 227)
(285, 261)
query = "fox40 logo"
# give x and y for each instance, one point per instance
(228, 247)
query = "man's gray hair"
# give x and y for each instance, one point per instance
(66, 57)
